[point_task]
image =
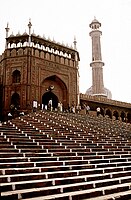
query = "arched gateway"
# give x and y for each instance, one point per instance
(54, 88)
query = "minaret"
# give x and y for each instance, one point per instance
(7, 34)
(96, 64)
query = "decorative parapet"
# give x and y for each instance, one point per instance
(40, 43)
(104, 100)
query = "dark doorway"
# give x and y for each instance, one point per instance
(116, 115)
(50, 95)
(108, 112)
(15, 100)
(123, 116)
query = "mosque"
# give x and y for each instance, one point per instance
(60, 155)
(34, 69)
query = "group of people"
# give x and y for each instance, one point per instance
(72, 109)
(49, 106)
(87, 108)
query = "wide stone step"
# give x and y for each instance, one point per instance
(9, 149)
(6, 145)
(28, 147)
(10, 154)
(30, 164)
(16, 165)
(72, 191)
(11, 171)
(87, 175)
(13, 159)
(32, 159)
(33, 150)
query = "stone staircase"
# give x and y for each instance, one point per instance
(64, 156)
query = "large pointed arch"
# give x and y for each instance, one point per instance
(59, 90)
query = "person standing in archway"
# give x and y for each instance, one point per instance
(87, 109)
(50, 104)
(61, 107)
(98, 110)
(10, 116)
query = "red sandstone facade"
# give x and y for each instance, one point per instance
(30, 66)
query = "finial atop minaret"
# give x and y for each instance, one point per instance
(29, 25)
(7, 34)
(7, 30)
(75, 42)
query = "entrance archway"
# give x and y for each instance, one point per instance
(59, 92)
(15, 100)
(50, 95)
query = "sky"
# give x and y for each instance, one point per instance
(61, 20)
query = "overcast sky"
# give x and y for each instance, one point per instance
(64, 19)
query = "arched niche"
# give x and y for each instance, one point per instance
(16, 76)
(57, 58)
(20, 51)
(42, 54)
(66, 61)
(37, 53)
(52, 57)
(123, 116)
(13, 52)
(48, 56)
(62, 60)
(116, 115)
(108, 113)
